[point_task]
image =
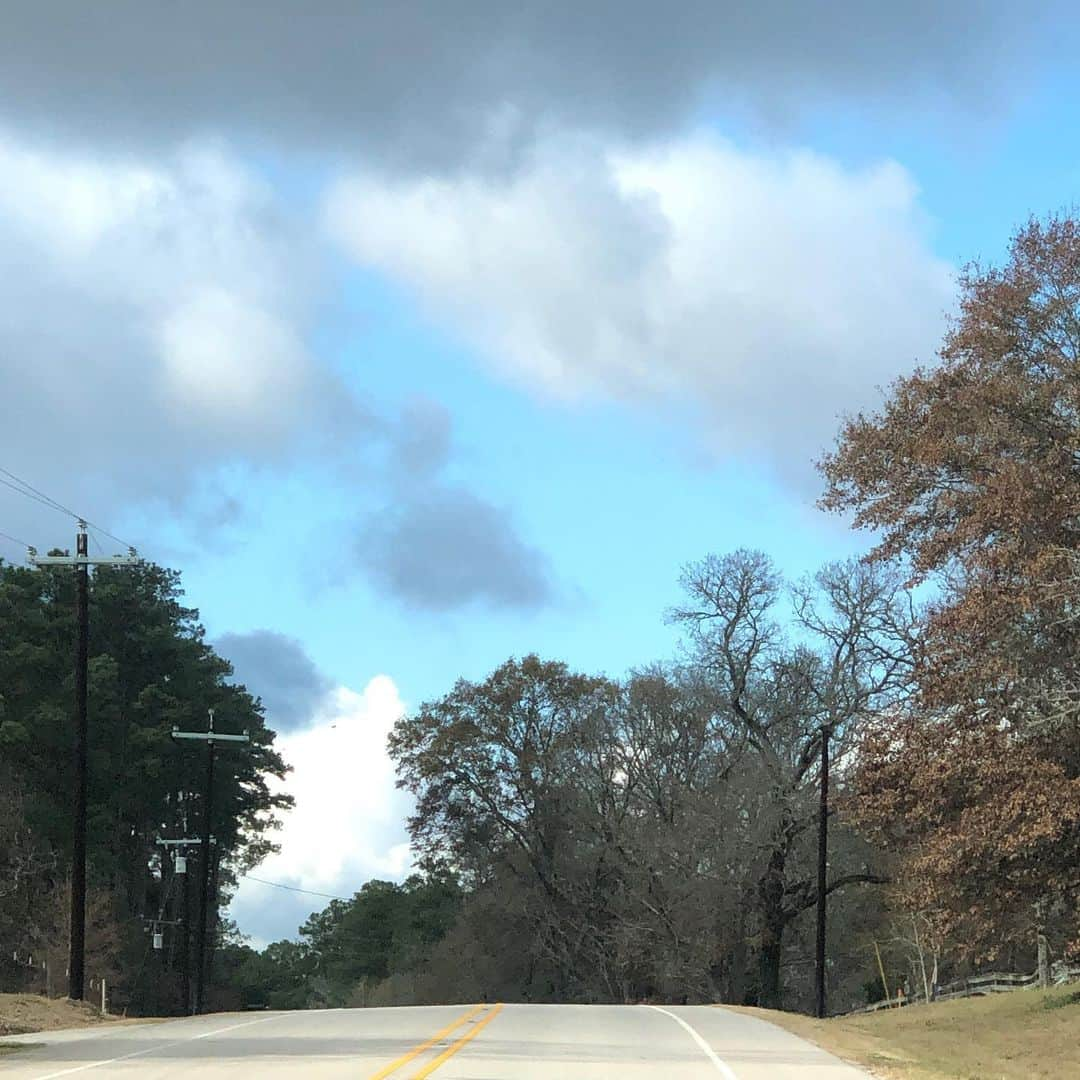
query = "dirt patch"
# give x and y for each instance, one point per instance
(1023, 1035)
(21, 1014)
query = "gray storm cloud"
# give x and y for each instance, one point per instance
(427, 84)
(444, 548)
(277, 669)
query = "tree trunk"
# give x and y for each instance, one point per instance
(771, 896)
(922, 958)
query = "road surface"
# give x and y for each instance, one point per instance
(482, 1042)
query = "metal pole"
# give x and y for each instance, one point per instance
(822, 876)
(204, 902)
(77, 940)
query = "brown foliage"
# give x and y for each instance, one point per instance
(971, 475)
(986, 825)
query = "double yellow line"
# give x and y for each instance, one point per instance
(450, 1051)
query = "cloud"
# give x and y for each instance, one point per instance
(442, 548)
(152, 325)
(427, 84)
(277, 669)
(769, 291)
(421, 442)
(348, 822)
(438, 547)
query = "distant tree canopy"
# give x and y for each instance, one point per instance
(150, 669)
(656, 835)
(350, 949)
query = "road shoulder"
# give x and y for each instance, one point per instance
(1022, 1035)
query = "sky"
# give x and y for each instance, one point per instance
(422, 335)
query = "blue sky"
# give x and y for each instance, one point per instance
(614, 501)
(416, 366)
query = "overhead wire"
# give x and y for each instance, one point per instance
(14, 539)
(40, 494)
(33, 498)
(105, 532)
(293, 888)
(25, 488)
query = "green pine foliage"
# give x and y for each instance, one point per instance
(150, 668)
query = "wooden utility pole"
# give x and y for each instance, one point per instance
(77, 942)
(185, 946)
(211, 738)
(204, 882)
(822, 876)
(177, 849)
(82, 563)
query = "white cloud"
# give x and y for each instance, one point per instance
(153, 314)
(229, 360)
(348, 824)
(770, 290)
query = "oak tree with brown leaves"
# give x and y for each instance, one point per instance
(970, 474)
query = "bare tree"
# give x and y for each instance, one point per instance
(845, 654)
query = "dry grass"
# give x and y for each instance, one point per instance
(1023, 1035)
(21, 1014)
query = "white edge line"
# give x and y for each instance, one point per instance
(707, 1050)
(153, 1049)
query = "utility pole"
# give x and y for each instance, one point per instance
(822, 875)
(185, 945)
(211, 738)
(82, 563)
(185, 915)
(179, 848)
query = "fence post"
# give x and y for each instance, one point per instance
(1043, 945)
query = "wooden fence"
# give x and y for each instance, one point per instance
(994, 982)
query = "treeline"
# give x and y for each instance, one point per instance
(654, 837)
(366, 951)
(150, 668)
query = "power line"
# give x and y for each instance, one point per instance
(14, 539)
(105, 532)
(29, 491)
(293, 888)
(96, 530)
(33, 498)
(39, 494)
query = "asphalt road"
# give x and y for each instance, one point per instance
(484, 1042)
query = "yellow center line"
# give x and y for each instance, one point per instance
(451, 1050)
(406, 1058)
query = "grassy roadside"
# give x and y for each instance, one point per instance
(22, 1014)
(1018, 1036)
